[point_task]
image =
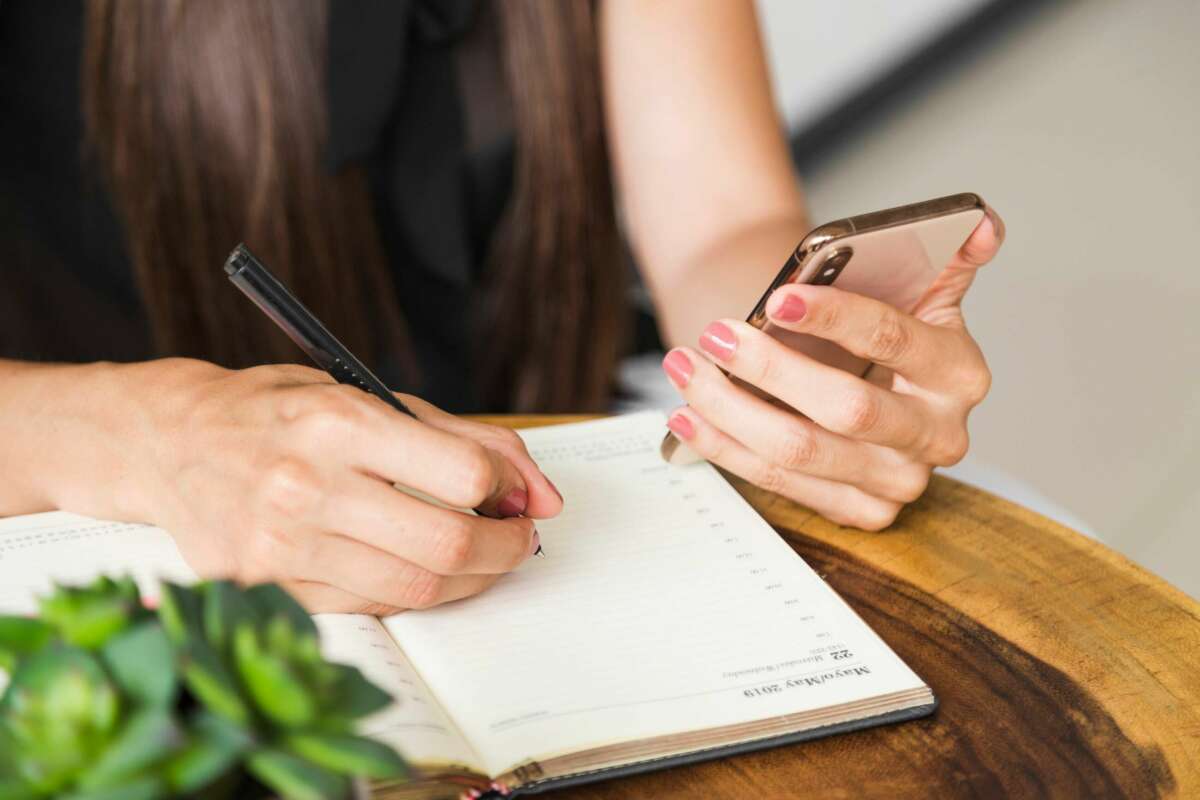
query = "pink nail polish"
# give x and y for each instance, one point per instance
(681, 426)
(718, 340)
(514, 504)
(678, 368)
(790, 309)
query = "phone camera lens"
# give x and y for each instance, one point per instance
(832, 266)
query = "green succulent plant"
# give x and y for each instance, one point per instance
(220, 693)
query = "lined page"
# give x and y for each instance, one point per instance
(40, 549)
(415, 724)
(664, 604)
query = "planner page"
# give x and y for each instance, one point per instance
(40, 549)
(415, 724)
(664, 604)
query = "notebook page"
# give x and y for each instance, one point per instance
(664, 604)
(416, 725)
(40, 549)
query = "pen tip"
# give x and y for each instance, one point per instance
(539, 552)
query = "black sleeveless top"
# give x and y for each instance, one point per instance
(416, 96)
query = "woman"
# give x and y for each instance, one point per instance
(437, 182)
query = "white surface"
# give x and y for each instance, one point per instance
(821, 54)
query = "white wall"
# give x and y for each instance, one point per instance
(1082, 127)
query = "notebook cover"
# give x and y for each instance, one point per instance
(708, 754)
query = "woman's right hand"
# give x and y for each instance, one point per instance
(278, 474)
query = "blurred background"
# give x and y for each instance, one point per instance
(1080, 122)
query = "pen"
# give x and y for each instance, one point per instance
(256, 282)
(264, 289)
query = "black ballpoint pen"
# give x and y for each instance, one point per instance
(256, 281)
(264, 289)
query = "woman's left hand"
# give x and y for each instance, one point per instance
(864, 446)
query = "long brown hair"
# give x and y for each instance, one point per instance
(208, 121)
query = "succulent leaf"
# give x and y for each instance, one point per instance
(179, 610)
(148, 737)
(271, 600)
(143, 787)
(274, 686)
(225, 607)
(280, 637)
(142, 663)
(348, 754)
(88, 616)
(354, 695)
(294, 778)
(215, 746)
(20, 636)
(59, 712)
(211, 683)
(15, 789)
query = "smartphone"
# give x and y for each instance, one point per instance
(892, 256)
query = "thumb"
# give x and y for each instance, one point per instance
(940, 305)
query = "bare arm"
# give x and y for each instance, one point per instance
(712, 203)
(713, 209)
(56, 431)
(275, 473)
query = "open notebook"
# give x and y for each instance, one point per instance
(668, 623)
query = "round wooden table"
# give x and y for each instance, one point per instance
(1062, 668)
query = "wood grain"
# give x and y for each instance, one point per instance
(1062, 668)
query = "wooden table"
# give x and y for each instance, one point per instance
(1062, 668)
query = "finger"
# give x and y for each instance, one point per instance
(837, 502)
(983, 243)
(441, 540)
(833, 398)
(871, 330)
(321, 598)
(544, 499)
(942, 302)
(380, 577)
(373, 437)
(792, 442)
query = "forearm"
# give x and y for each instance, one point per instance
(724, 278)
(73, 436)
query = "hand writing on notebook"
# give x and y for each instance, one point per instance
(864, 446)
(275, 473)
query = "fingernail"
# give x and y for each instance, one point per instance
(555, 488)
(786, 307)
(678, 368)
(997, 225)
(514, 504)
(718, 340)
(681, 426)
(536, 547)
